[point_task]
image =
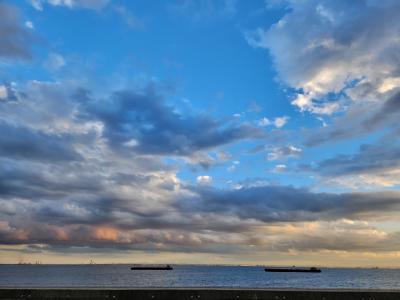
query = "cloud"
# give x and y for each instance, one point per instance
(231, 168)
(359, 120)
(37, 4)
(128, 17)
(78, 193)
(43, 106)
(204, 179)
(345, 64)
(288, 204)
(89, 4)
(376, 164)
(278, 122)
(279, 168)
(25, 143)
(339, 71)
(29, 24)
(79, 170)
(157, 128)
(369, 158)
(16, 40)
(55, 61)
(264, 122)
(254, 107)
(340, 235)
(72, 176)
(207, 160)
(284, 152)
(3, 92)
(388, 111)
(204, 10)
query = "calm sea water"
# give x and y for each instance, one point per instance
(192, 276)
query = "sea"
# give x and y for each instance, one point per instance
(121, 276)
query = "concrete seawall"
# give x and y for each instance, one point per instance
(197, 294)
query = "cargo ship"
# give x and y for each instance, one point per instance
(293, 269)
(151, 267)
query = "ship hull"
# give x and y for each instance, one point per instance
(151, 268)
(290, 270)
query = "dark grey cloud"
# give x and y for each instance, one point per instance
(289, 204)
(36, 182)
(144, 123)
(16, 40)
(25, 143)
(94, 178)
(370, 159)
(284, 152)
(389, 110)
(227, 216)
(90, 212)
(69, 162)
(359, 120)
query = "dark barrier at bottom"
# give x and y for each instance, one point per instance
(198, 294)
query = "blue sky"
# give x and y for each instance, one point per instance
(240, 131)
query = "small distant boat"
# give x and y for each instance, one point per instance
(148, 267)
(293, 269)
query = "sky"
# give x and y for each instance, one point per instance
(200, 132)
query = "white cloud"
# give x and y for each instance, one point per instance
(337, 51)
(278, 153)
(89, 4)
(68, 3)
(322, 122)
(128, 17)
(37, 4)
(29, 24)
(204, 179)
(131, 143)
(279, 168)
(55, 61)
(231, 168)
(264, 122)
(3, 92)
(278, 122)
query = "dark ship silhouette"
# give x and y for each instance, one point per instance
(293, 269)
(151, 267)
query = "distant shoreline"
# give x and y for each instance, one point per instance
(200, 265)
